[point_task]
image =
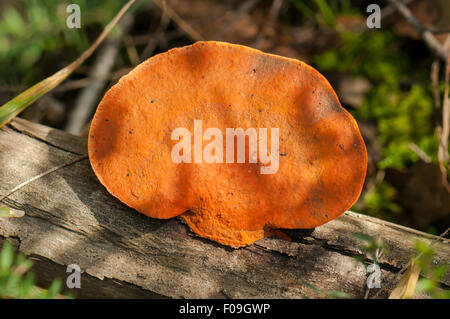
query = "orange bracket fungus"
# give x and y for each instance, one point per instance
(236, 141)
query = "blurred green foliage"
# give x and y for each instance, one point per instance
(424, 255)
(403, 116)
(16, 281)
(324, 11)
(380, 202)
(30, 27)
(431, 275)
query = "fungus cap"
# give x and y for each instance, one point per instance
(322, 160)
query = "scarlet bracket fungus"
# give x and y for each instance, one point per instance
(322, 161)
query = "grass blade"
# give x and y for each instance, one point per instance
(11, 213)
(326, 11)
(407, 284)
(13, 107)
(4, 211)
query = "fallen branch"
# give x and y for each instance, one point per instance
(71, 219)
(193, 34)
(427, 36)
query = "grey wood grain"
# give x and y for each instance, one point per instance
(70, 218)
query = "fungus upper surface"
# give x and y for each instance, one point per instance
(323, 157)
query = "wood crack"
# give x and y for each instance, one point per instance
(37, 138)
(69, 219)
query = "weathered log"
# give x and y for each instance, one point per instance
(70, 218)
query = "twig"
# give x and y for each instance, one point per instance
(87, 99)
(46, 106)
(245, 7)
(67, 86)
(434, 75)
(104, 33)
(427, 36)
(15, 189)
(186, 27)
(390, 9)
(444, 134)
(441, 52)
(422, 155)
(153, 40)
(169, 35)
(439, 31)
(131, 50)
(81, 83)
(273, 15)
(443, 143)
(72, 85)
